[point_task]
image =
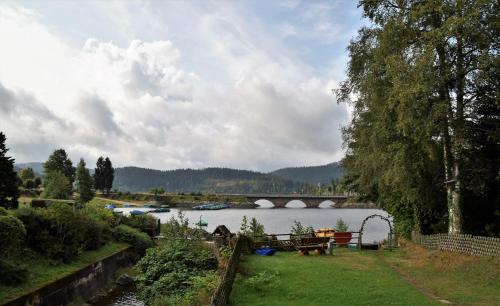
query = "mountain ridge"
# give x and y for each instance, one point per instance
(217, 179)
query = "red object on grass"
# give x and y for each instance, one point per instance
(342, 237)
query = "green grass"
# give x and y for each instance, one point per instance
(43, 272)
(346, 278)
(461, 279)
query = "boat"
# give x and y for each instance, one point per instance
(201, 222)
(136, 212)
(161, 210)
(211, 206)
(110, 206)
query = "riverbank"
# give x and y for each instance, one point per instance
(43, 271)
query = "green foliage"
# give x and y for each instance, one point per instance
(264, 281)
(60, 232)
(299, 230)
(144, 223)
(252, 229)
(104, 174)
(208, 181)
(199, 293)
(12, 235)
(171, 269)
(341, 226)
(56, 186)
(177, 227)
(27, 176)
(59, 162)
(9, 192)
(84, 183)
(13, 273)
(137, 239)
(423, 84)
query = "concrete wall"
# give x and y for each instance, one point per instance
(81, 284)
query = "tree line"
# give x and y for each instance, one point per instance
(424, 141)
(60, 178)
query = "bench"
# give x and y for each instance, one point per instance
(317, 244)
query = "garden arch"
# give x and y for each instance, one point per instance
(381, 217)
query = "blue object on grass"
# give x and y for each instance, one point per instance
(265, 252)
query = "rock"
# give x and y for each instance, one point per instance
(96, 298)
(124, 280)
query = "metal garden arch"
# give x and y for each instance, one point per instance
(383, 218)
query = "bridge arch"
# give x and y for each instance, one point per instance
(390, 236)
(326, 204)
(264, 203)
(295, 203)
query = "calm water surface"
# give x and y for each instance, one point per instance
(279, 221)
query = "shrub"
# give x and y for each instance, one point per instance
(144, 223)
(170, 269)
(36, 203)
(12, 235)
(97, 233)
(300, 230)
(341, 226)
(58, 231)
(12, 274)
(137, 239)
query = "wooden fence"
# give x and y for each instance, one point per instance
(460, 243)
(223, 291)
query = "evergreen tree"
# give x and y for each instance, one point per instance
(84, 183)
(99, 174)
(108, 175)
(9, 192)
(59, 161)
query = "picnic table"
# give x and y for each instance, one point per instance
(317, 244)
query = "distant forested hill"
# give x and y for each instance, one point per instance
(37, 167)
(217, 180)
(313, 175)
(209, 180)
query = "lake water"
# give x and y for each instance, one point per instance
(279, 221)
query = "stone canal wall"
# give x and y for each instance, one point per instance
(81, 284)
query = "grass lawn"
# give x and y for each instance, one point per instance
(461, 279)
(349, 277)
(42, 272)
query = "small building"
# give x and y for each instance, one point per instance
(221, 236)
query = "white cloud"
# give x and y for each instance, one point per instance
(142, 105)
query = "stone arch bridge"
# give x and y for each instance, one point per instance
(280, 200)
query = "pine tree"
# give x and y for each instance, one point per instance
(59, 161)
(108, 175)
(9, 192)
(84, 183)
(99, 174)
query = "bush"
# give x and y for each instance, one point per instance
(137, 239)
(12, 274)
(36, 203)
(12, 235)
(170, 269)
(60, 232)
(341, 226)
(144, 223)
(97, 233)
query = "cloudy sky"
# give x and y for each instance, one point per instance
(176, 84)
